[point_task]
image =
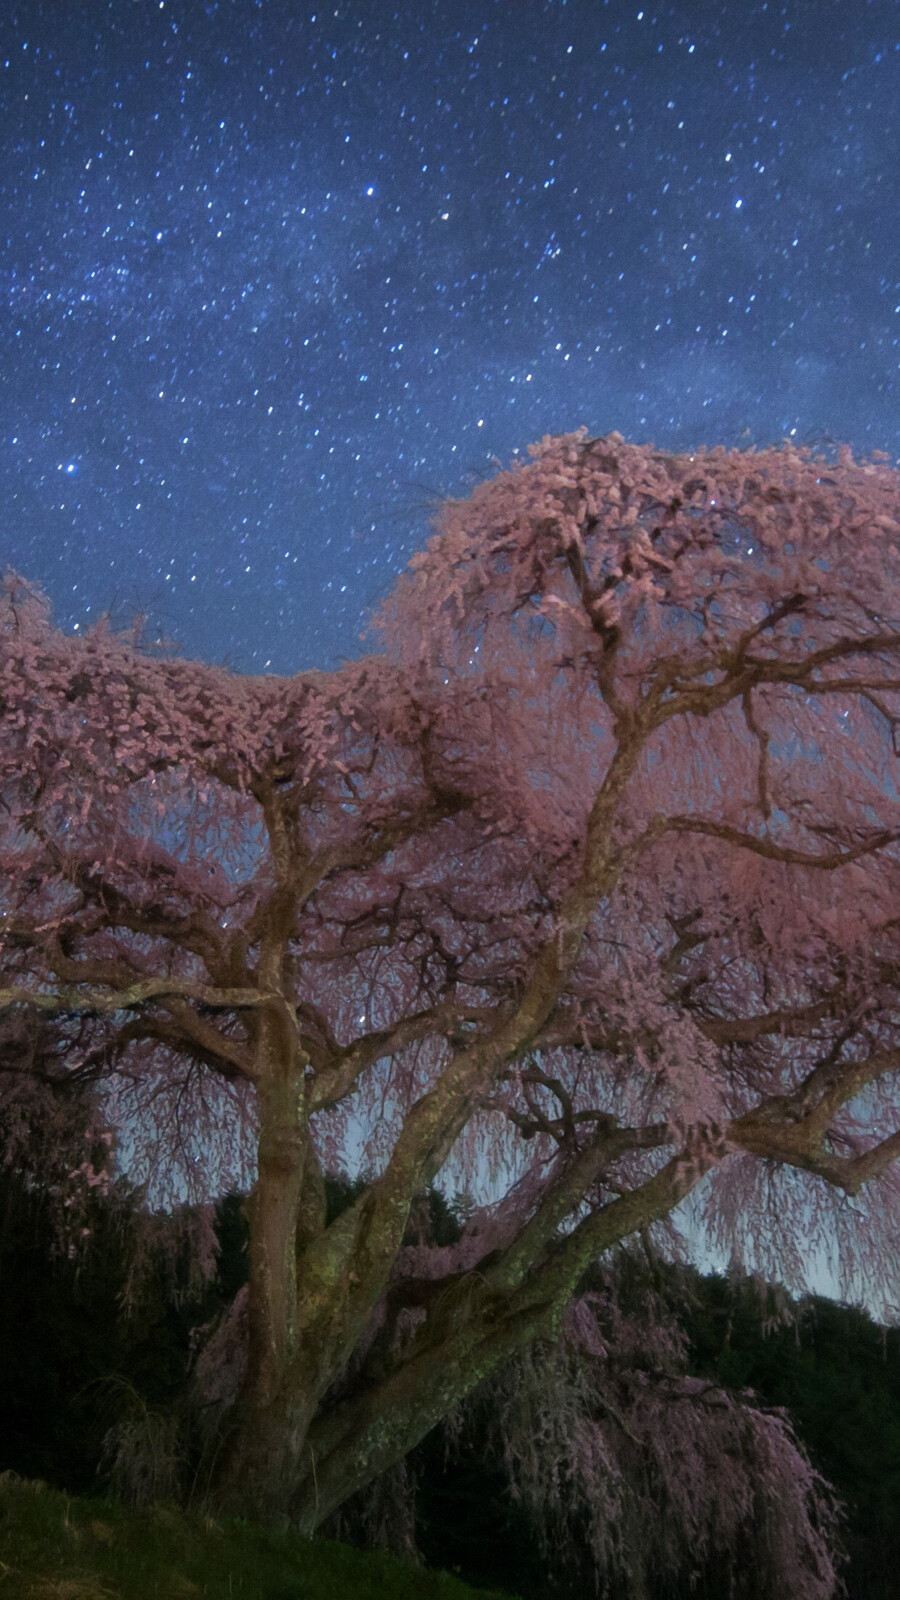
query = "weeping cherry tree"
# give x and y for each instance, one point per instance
(579, 891)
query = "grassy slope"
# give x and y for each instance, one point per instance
(54, 1547)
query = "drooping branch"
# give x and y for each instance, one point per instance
(826, 861)
(75, 1001)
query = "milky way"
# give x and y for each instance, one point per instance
(274, 278)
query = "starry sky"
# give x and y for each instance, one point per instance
(275, 276)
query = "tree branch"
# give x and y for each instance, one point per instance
(792, 1128)
(75, 1001)
(772, 851)
(337, 1080)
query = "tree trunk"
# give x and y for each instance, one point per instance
(259, 1461)
(285, 1466)
(262, 1461)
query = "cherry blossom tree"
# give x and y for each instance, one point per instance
(583, 885)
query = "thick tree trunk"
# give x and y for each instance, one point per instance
(262, 1461)
(287, 1466)
(375, 1430)
(259, 1460)
(294, 1462)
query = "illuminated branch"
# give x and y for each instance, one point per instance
(777, 852)
(75, 1001)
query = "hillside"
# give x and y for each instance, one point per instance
(54, 1545)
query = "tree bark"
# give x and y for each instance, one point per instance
(272, 1415)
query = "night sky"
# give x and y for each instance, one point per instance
(276, 276)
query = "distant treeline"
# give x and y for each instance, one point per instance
(95, 1358)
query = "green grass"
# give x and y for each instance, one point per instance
(56, 1547)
